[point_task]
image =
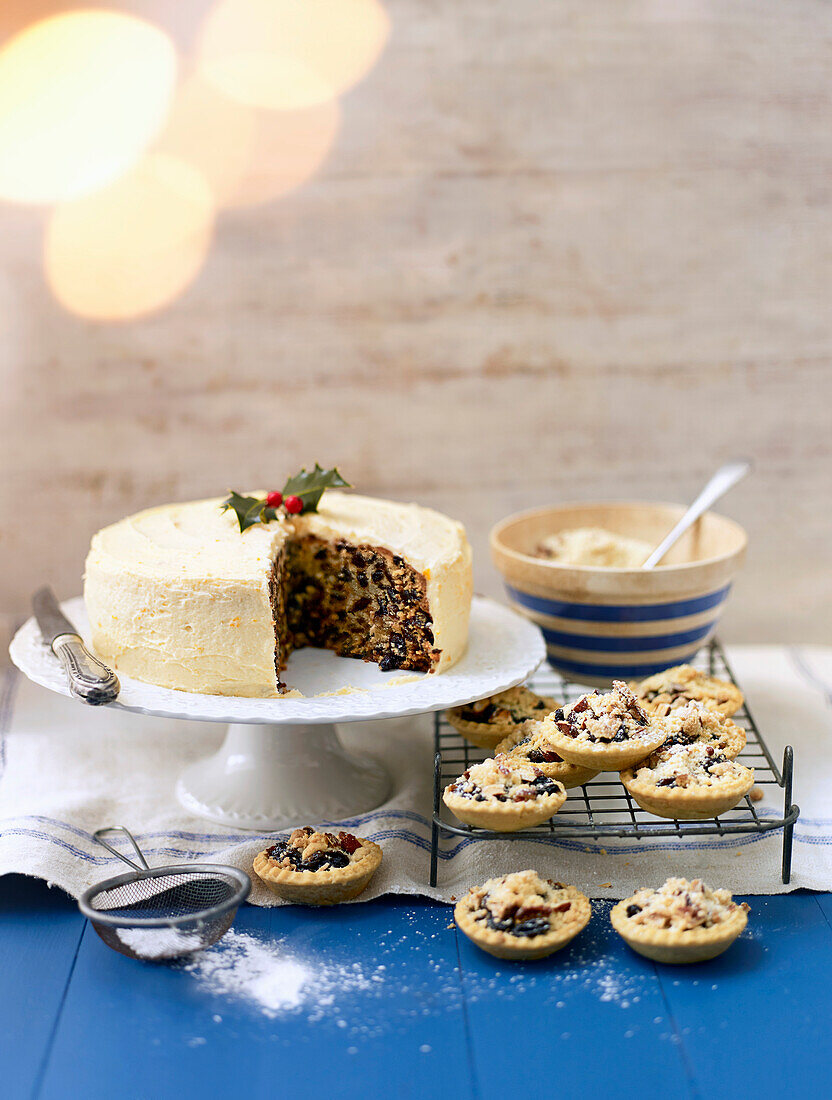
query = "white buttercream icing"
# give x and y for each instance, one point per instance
(177, 596)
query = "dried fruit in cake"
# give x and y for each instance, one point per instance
(695, 724)
(604, 731)
(681, 922)
(688, 782)
(530, 744)
(522, 916)
(486, 722)
(504, 795)
(662, 693)
(318, 868)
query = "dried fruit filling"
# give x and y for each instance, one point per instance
(308, 850)
(521, 904)
(504, 780)
(606, 718)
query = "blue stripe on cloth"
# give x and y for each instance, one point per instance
(625, 613)
(627, 645)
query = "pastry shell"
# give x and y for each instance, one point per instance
(570, 775)
(321, 887)
(504, 817)
(503, 945)
(673, 945)
(602, 756)
(693, 803)
(487, 735)
(715, 694)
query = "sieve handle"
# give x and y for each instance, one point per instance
(99, 835)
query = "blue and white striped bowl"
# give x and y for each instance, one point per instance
(606, 624)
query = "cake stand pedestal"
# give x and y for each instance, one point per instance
(282, 762)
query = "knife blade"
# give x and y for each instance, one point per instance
(89, 679)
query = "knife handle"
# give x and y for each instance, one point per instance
(89, 680)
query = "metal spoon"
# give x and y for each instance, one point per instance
(724, 479)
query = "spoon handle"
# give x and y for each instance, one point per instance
(724, 479)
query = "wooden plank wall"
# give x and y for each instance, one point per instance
(560, 250)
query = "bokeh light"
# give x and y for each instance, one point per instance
(215, 134)
(82, 96)
(132, 247)
(290, 54)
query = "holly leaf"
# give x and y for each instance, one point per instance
(249, 510)
(310, 486)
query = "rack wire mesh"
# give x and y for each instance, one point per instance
(603, 807)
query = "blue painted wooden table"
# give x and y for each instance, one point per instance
(420, 1012)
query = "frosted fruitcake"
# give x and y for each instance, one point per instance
(195, 597)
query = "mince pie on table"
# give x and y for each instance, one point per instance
(695, 724)
(675, 687)
(504, 794)
(604, 731)
(530, 744)
(486, 722)
(681, 922)
(522, 916)
(688, 782)
(315, 868)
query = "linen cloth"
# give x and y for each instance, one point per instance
(66, 770)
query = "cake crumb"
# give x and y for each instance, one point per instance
(756, 794)
(605, 884)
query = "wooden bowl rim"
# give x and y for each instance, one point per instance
(666, 570)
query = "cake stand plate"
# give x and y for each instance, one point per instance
(282, 762)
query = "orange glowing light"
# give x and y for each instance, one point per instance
(134, 246)
(215, 134)
(290, 54)
(291, 147)
(82, 96)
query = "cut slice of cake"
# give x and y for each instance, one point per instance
(179, 596)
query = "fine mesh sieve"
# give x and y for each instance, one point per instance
(163, 912)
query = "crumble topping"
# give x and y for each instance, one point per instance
(680, 685)
(609, 717)
(522, 904)
(515, 705)
(688, 766)
(504, 779)
(681, 905)
(308, 850)
(530, 742)
(694, 723)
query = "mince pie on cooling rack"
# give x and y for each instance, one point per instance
(694, 724)
(681, 922)
(504, 794)
(606, 731)
(664, 692)
(315, 868)
(530, 744)
(485, 722)
(688, 782)
(522, 916)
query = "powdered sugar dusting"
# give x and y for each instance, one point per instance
(159, 943)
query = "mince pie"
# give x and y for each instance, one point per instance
(504, 794)
(681, 922)
(663, 693)
(604, 731)
(522, 916)
(694, 724)
(485, 722)
(688, 782)
(318, 868)
(530, 744)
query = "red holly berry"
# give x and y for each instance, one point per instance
(274, 500)
(293, 505)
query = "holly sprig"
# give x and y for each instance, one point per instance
(301, 493)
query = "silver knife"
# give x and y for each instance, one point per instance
(89, 680)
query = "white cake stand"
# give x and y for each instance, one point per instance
(282, 762)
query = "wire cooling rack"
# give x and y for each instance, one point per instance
(603, 807)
